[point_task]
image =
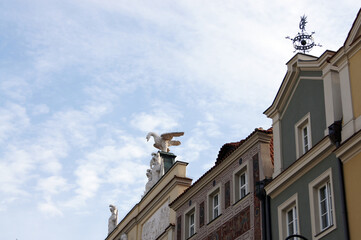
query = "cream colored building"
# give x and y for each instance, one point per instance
(152, 218)
(347, 65)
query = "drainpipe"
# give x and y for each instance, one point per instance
(343, 198)
(265, 208)
(268, 218)
(334, 132)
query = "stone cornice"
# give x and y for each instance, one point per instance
(156, 195)
(301, 166)
(349, 148)
(297, 64)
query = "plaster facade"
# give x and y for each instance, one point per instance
(152, 218)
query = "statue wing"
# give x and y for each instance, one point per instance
(174, 143)
(169, 136)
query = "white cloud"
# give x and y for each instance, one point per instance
(49, 208)
(157, 120)
(15, 170)
(13, 119)
(52, 185)
(40, 109)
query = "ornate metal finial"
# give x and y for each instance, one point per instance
(303, 42)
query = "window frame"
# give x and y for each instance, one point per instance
(192, 210)
(244, 168)
(325, 179)
(243, 186)
(303, 123)
(283, 210)
(215, 206)
(216, 190)
(294, 221)
(328, 201)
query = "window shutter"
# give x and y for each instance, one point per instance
(179, 228)
(201, 214)
(227, 194)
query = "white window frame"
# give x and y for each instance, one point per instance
(191, 224)
(216, 190)
(215, 206)
(325, 179)
(283, 221)
(244, 186)
(187, 221)
(328, 202)
(303, 123)
(294, 221)
(237, 174)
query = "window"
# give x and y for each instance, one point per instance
(325, 205)
(322, 205)
(305, 139)
(288, 217)
(214, 202)
(241, 182)
(190, 223)
(303, 135)
(243, 185)
(215, 206)
(292, 221)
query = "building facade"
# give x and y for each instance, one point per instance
(152, 218)
(222, 204)
(346, 66)
(317, 145)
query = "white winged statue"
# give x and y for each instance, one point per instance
(164, 141)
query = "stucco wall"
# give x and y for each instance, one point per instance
(355, 75)
(308, 97)
(352, 178)
(301, 187)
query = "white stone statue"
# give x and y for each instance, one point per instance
(155, 167)
(113, 219)
(124, 237)
(155, 171)
(149, 184)
(164, 141)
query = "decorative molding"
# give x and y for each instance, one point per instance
(282, 211)
(301, 166)
(258, 137)
(314, 213)
(349, 148)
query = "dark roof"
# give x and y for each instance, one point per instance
(226, 150)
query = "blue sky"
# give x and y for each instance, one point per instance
(82, 82)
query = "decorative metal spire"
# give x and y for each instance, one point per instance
(303, 42)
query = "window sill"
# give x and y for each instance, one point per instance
(192, 236)
(240, 200)
(214, 219)
(325, 231)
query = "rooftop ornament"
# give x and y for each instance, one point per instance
(303, 42)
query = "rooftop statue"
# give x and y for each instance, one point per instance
(113, 219)
(164, 141)
(123, 237)
(154, 173)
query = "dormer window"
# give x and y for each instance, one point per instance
(303, 135)
(305, 139)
